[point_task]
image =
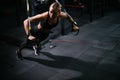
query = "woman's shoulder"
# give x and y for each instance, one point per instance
(63, 14)
(44, 13)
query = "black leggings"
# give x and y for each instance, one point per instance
(36, 42)
(26, 42)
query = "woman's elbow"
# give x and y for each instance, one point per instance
(25, 21)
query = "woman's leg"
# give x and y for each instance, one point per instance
(37, 46)
(21, 47)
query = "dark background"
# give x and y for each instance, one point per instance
(12, 14)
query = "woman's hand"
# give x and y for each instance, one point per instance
(30, 37)
(75, 28)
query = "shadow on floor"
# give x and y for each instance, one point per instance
(88, 69)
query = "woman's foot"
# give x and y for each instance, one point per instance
(36, 50)
(19, 55)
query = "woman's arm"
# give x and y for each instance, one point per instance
(33, 19)
(70, 19)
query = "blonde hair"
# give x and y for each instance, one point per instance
(56, 6)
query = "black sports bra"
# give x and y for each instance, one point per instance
(46, 25)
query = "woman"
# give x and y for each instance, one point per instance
(47, 21)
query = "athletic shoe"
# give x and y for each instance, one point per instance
(36, 51)
(19, 55)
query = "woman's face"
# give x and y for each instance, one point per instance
(54, 13)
